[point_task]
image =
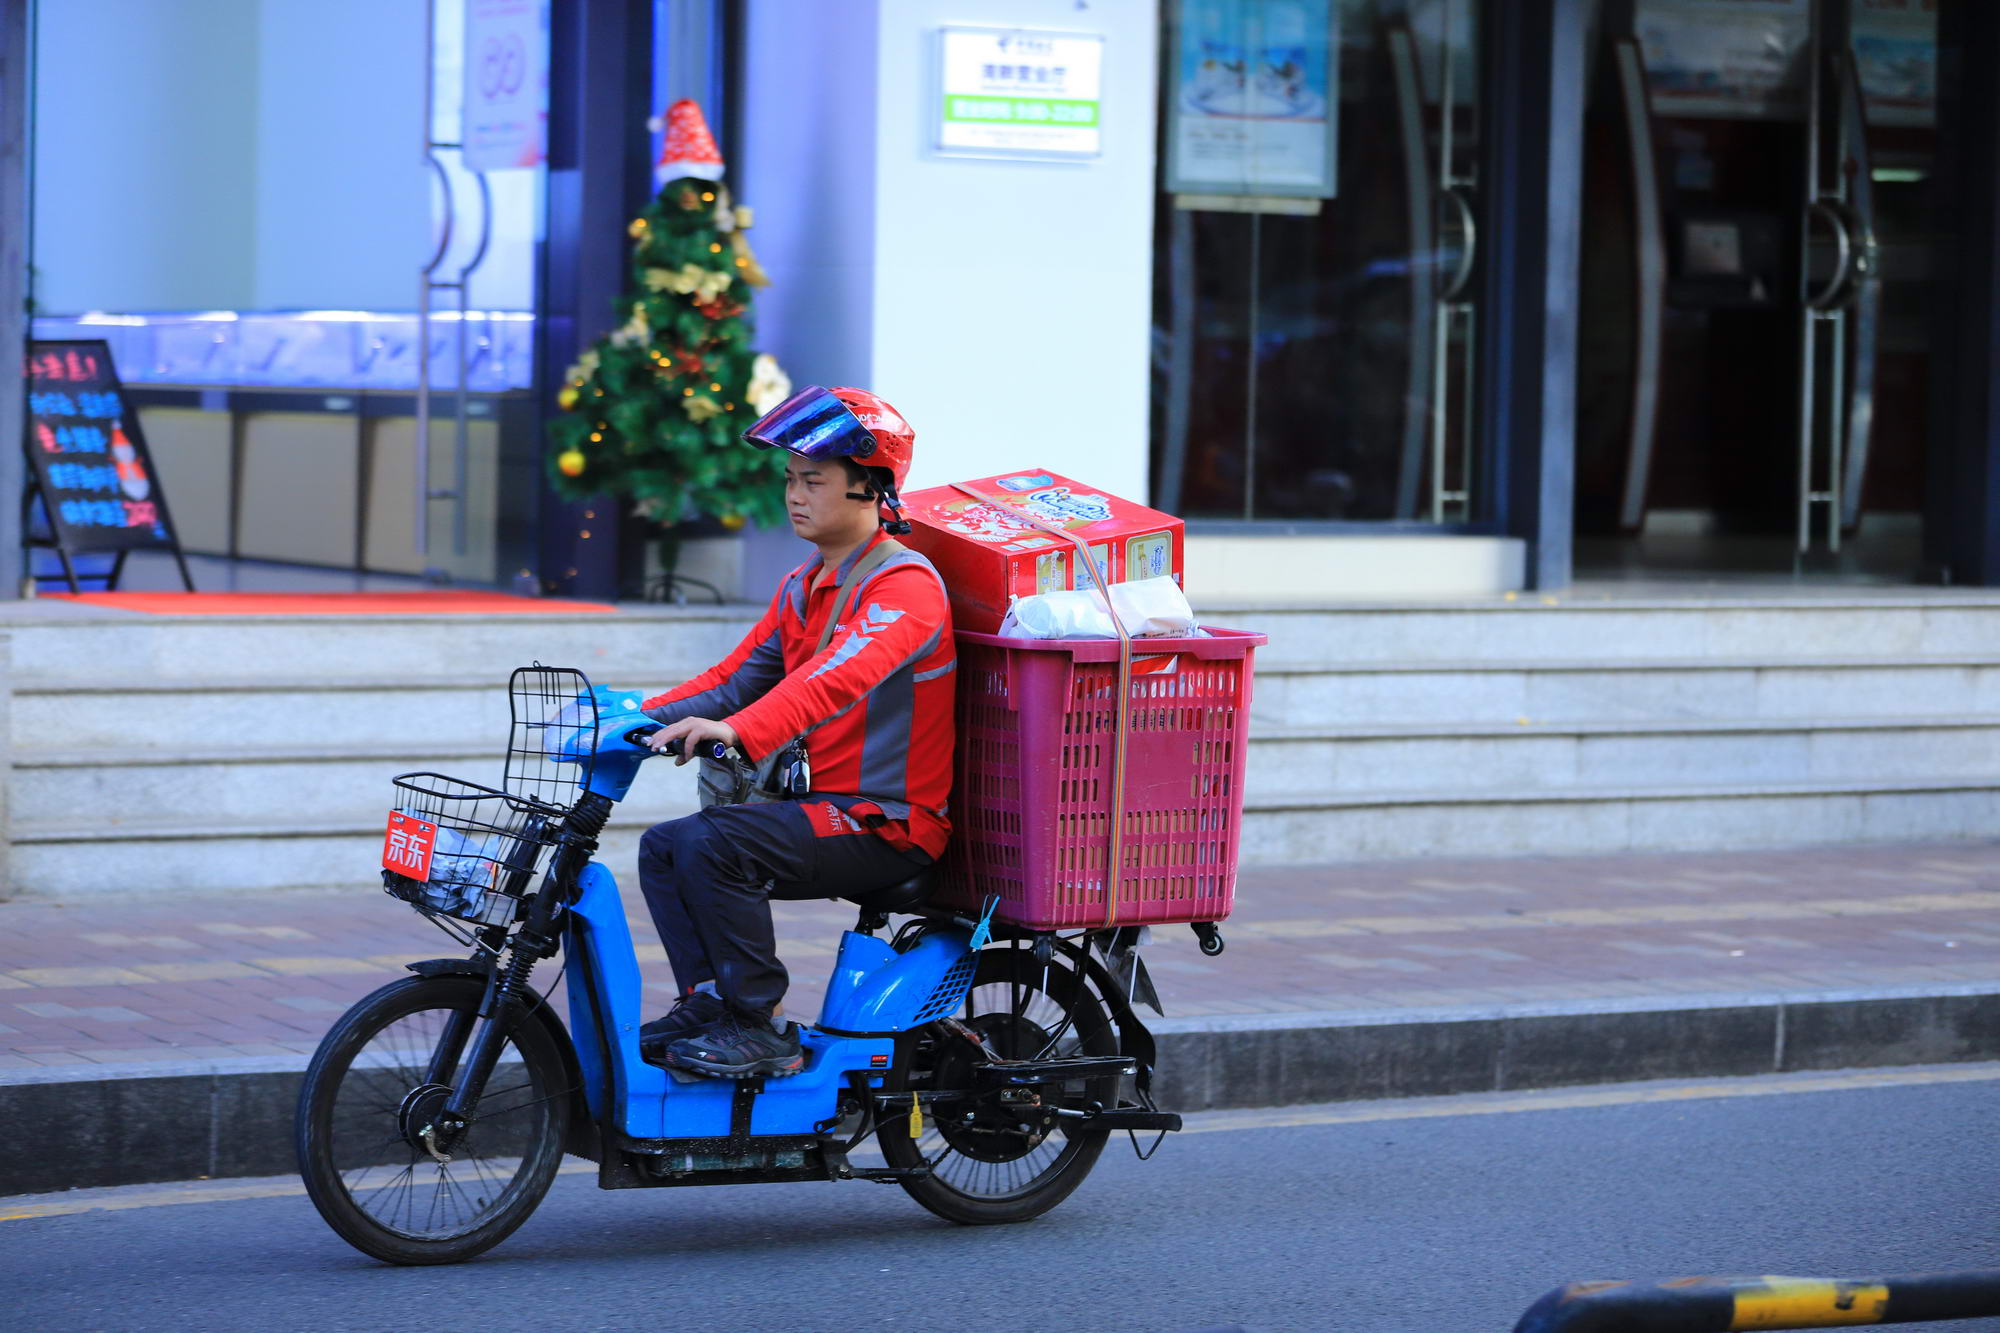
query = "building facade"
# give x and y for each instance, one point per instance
(1390, 298)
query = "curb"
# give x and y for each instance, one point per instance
(85, 1127)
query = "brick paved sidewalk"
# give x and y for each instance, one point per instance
(156, 979)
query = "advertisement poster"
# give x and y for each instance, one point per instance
(1014, 93)
(506, 84)
(1732, 59)
(1895, 48)
(1252, 106)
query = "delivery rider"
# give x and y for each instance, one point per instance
(855, 655)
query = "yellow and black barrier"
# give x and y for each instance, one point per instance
(1716, 1304)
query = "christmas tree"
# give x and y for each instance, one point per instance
(655, 410)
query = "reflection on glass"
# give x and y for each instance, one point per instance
(1312, 260)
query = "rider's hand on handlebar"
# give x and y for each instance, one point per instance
(693, 733)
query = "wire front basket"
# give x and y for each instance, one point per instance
(457, 849)
(554, 734)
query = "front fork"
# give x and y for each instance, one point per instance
(504, 988)
(498, 1011)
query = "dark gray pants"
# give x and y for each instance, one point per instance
(709, 879)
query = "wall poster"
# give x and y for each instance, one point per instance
(1895, 48)
(1252, 101)
(1730, 59)
(506, 84)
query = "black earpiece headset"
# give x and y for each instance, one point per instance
(897, 526)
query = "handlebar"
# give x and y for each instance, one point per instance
(638, 736)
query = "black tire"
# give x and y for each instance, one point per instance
(1024, 1013)
(380, 1190)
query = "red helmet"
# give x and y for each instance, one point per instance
(895, 442)
(845, 423)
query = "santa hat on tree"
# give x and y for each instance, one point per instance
(688, 148)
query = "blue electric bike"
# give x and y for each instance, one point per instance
(990, 1066)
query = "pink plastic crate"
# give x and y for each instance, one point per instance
(1031, 807)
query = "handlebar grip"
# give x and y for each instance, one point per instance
(640, 735)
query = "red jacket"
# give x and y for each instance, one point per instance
(877, 703)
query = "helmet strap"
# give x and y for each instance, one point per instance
(897, 526)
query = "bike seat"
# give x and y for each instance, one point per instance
(903, 896)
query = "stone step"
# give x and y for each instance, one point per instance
(271, 783)
(1927, 624)
(642, 642)
(450, 711)
(225, 788)
(1432, 693)
(424, 713)
(182, 716)
(82, 861)
(1308, 828)
(1583, 757)
(657, 641)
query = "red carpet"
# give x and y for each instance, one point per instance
(442, 602)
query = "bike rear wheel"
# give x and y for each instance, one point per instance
(986, 1167)
(376, 1082)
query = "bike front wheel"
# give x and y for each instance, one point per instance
(985, 1164)
(373, 1088)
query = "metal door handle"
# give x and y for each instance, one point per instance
(1854, 253)
(1458, 198)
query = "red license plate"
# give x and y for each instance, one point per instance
(408, 846)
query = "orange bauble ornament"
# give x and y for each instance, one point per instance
(570, 462)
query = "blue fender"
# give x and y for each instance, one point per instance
(875, 990)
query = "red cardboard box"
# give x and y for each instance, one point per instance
(989, 557)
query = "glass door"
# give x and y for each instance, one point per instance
(1314, 259)
(1753, 375)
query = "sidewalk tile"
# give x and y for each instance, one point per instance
(193, 971)
(56, 977)
(1383, 936)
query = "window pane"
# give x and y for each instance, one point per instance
(1311, 356)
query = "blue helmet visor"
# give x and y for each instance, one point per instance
(812, 423)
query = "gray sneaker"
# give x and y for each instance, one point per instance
(690, 1014)
(740, 1047)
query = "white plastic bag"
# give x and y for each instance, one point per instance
(1150, 608)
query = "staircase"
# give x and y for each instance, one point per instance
(207, 754)
(1552, 726)
(210, 754)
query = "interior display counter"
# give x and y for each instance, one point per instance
(291, 437)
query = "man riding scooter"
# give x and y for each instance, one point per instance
(843, 692)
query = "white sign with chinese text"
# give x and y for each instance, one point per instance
(1015, 93)
(506, 83)
(407, 845)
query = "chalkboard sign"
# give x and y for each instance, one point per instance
(87, 456)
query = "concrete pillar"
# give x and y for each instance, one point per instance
(1004, 306)
(14, 56)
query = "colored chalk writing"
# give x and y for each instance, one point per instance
(89, 465)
